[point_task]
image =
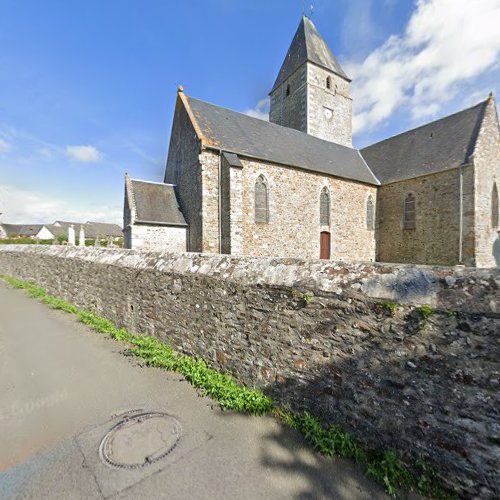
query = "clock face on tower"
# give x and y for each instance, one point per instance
(328, 113)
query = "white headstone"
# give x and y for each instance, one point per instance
(71, 235)
(81, 239)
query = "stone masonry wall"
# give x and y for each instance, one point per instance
(309, 104)
(294, 222)
(487, 166)
(468, 216)
(210, 201)
(225, 186)
(291, 111)
(128, 215)
(435, 240)
(231, 205)
(329, 111)
(184, 170)
(427, 388)
(236, 215)
(158, 238)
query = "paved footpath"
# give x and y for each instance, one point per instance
(63, 387)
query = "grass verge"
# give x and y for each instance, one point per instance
(385, 467)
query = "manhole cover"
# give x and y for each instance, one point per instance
(140, 439)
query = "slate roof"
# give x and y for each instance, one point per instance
(156, 202)
(94, 229)
(440, 145)
(308, 45)
(247, 136)
(66, 224)
(233, 160)
(91, 229)
(56, 230)
(12, 229)
(22, 229)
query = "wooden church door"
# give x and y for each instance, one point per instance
(324, 252)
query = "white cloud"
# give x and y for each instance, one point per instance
(446, 44)
(260, 111)
(29, 144)
(84, 154)
(19, 206)
(145, 156)
(27, 141)
(46, 153)
(5, 146)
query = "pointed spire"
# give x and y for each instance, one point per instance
(308, 45)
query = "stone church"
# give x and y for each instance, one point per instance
(295, 186)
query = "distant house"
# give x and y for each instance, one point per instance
(36, 231)
(93, 230)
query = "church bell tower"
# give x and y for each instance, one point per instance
(311, 93)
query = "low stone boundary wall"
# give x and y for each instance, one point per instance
(319, 336)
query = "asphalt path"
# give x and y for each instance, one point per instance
(63, 387)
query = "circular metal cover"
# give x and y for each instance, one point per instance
(140, 440)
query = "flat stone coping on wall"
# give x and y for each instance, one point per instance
(447, 288)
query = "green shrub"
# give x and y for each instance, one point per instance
(390, 308)
(24, 241)
(304, 298)
(425, 312)
(388, 470)
(308, 298)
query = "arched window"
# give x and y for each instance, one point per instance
(288, 90)
(324, 207)
(328, 82)
(261, 200)
(494, 206)
(409, 212)
(370, 214)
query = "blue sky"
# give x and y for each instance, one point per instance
(88, 88)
